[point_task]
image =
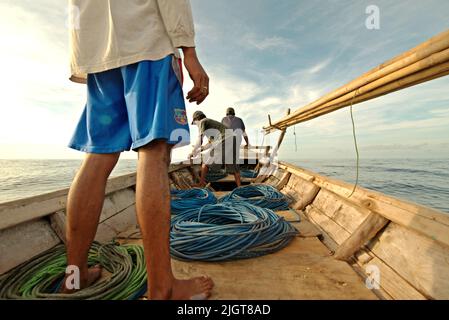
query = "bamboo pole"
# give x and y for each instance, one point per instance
(424, 56)
(418, 66)
(414, 79)
(415, 57)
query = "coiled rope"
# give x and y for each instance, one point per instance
(228, 231)
(248, 174)
(213, 176)
(38, 278)
(261, 195)
(182, 200)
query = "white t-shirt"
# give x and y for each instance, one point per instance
(107, 34)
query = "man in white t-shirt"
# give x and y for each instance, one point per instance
(127, 53)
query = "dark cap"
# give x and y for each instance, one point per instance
(198, 115)
(230, 111)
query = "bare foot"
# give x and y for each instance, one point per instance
(93, 274)
(198, 288)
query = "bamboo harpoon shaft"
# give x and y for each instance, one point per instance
(423, 63)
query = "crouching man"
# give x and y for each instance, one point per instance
(218, 151)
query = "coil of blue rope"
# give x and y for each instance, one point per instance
(182, 200)
(228, 231)
(264, 196)
(213, 176)
(248, 174)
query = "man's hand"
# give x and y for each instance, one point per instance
(199, 77)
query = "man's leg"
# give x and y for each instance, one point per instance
(238, 181)
(204, 171)
(84, 204)
(153, 213)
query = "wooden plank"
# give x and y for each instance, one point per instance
(21, 243)
(365, 232)
(302, 191)
(301, 223)
(303, 270)
(391, 282)
(335, 231)
(429, 222)
(289, 215)
(117, 202)
(220, 194)
(283, 181)
(16, 212)
(58, 224)
(421, 261)
(116, 224)
(272, 181)
(342, 211)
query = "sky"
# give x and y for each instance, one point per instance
(262, 57)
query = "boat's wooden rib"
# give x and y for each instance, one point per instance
(364, 233)
(302, 192)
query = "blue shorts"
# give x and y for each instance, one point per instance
(131, 106)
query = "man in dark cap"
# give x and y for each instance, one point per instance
(217, 149)
(238, 127)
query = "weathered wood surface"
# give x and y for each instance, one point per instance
(303, 270)
(365, 232)
(19, 211)
(23, 242)
(306, 228)
(301, 191)
(329, 226)
(421, 261)
(283, 181)
(342, 221)
(429, 222)
(109, 229)
(58, 224)
(390, 282)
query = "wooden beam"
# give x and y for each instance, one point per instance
(365, 232)
(58, 223)
(284, 180)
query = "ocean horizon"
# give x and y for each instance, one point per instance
(422, 181)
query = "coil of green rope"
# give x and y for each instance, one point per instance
(36, 279)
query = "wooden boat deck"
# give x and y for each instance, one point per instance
(341, 239)
(305, 269)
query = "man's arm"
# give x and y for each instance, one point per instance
(178, 21)
(197, 147)
(245, 136)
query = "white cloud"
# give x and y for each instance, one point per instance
(260, 43)
(319, 66)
